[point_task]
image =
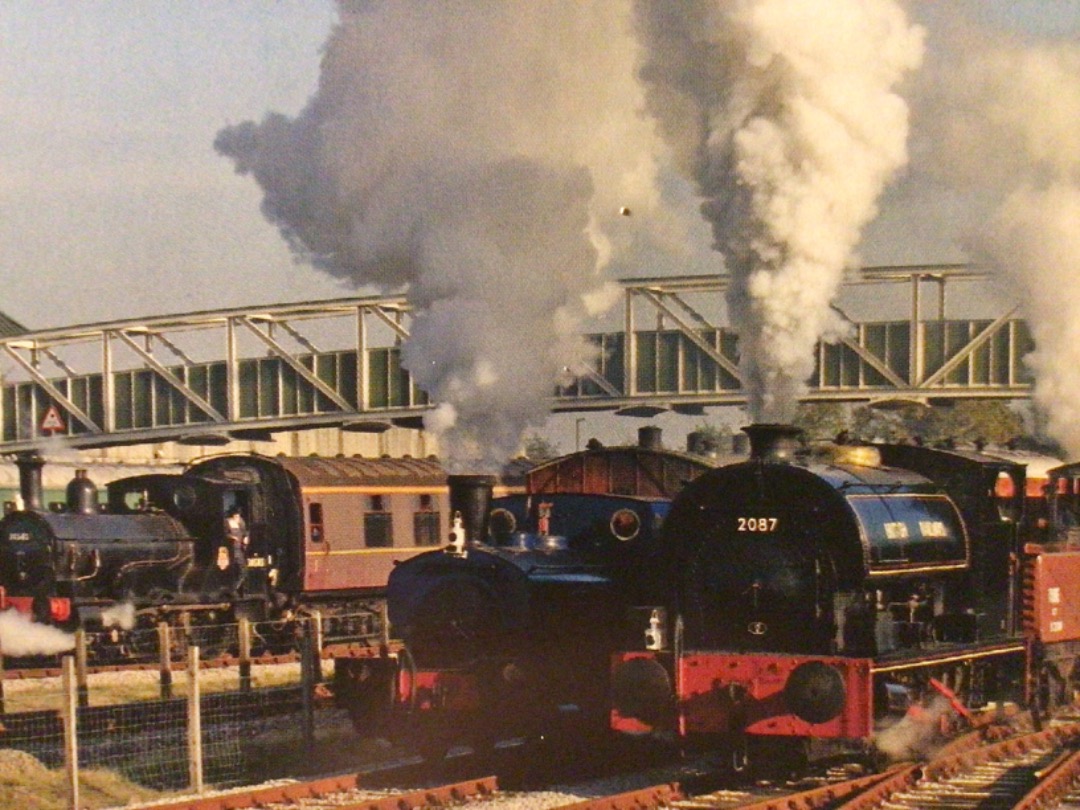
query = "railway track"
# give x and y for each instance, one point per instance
(1025, 771)
(345, 792)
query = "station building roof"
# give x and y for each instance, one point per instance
(9, 327)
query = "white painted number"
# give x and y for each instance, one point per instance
(765, 524)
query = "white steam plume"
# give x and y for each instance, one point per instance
(784, 114)
(121, 615)
(916, 734)
(476, 154)
(20, 636)
(1003, 133)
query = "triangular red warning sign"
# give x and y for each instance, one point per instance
(53, 421)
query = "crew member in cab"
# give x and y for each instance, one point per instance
(236, 536)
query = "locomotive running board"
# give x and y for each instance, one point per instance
(950, 656)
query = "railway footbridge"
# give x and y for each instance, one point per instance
(244, 373)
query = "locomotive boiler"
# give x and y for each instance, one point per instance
(820, 597)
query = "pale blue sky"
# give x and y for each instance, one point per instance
(112, 199)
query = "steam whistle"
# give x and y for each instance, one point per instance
(458, 539)
(655, 634)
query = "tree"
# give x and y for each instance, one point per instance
(709, 439)
(539, 448)
(822, 421)
(968, 421)
(990, 421)
(895, 424)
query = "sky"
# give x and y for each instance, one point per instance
(115, 201)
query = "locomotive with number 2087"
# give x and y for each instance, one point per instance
(820, 598)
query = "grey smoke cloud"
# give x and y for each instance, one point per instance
(1001, 132)
(786, 116)
(476, 155)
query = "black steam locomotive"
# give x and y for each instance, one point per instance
(508, 630)
(825, 597)
(319, 533)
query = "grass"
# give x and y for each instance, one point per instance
(28, 785)
(111, 688)
(270, 750)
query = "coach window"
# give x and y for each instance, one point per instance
(315, 522)
(378, 524)
(426, 522)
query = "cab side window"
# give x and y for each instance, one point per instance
(426, 522)
(378, 523)
(315, 522)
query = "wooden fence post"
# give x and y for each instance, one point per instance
(165, 659)
(195, 749)
(245, 654)
(69, 714)
(2, 678)
(81, 670)
(307, 685)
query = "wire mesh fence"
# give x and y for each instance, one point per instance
(180, 726)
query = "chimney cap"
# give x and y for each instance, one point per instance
(773, 441)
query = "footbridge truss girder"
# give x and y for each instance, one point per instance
(243, 373)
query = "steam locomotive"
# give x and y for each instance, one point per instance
(508, 631)
(321, 533)
(804, 599)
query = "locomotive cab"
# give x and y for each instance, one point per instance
(1063, 506)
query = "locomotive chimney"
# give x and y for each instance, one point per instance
(773, 442)
(470, 495)
(30, 486)
(82, 495)
(649, 438)
(701, 444)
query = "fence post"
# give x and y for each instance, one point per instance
(245, 654)
(307, 685)
(319, 641)
(384, 626)
(195, 749)
(81, 668)
(3, 676)
(165, 659)
(69, 713)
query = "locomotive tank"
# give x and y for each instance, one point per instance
(473, 597)
(499, 640)
(775, 555)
